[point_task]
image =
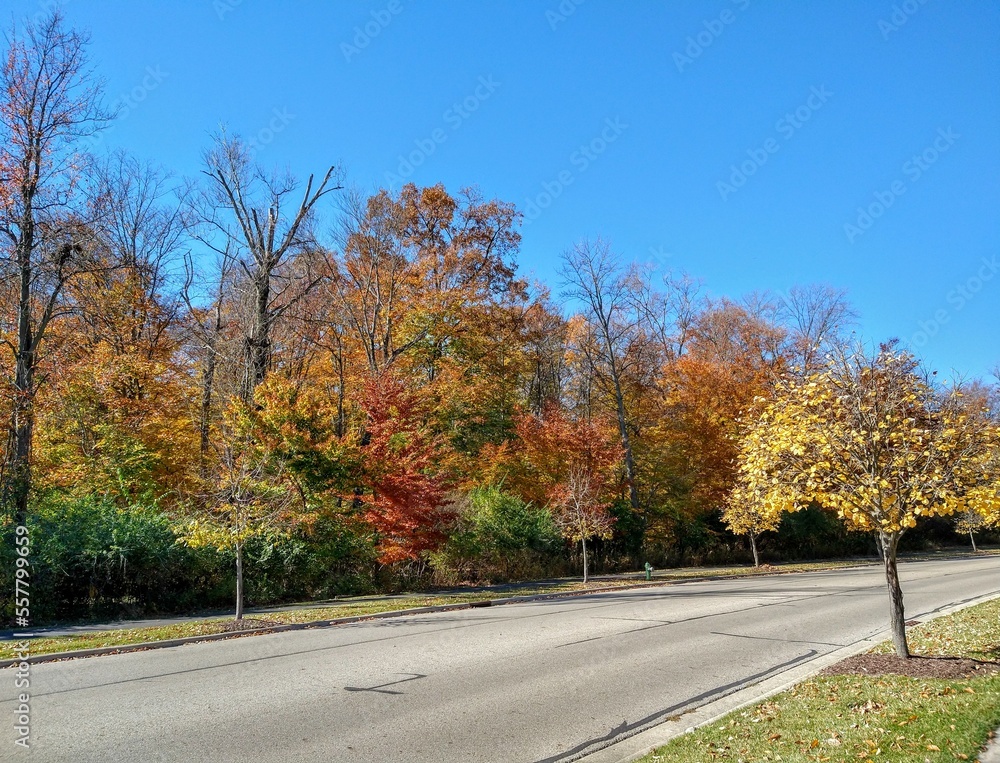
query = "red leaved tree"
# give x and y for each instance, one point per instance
(407, 493)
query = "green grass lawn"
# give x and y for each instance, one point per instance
(368, 606)
(867, 718)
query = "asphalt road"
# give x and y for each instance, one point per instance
(523, 683)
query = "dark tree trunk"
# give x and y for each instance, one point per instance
(18, 478)
(205, 424)
(633, 489)
(257, 345)
(341, 384)
(239, 581)
(753, 547)
(17, 482)
(897, 618)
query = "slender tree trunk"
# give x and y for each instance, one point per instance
(972, 538)
(239, 581)
(205, 424)
(753, 546)
(341, 383)
(584, 542)
(633, 489)
(17, 485)
(897, 618)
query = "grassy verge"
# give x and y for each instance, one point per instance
(130, 636)
(867, 718)
(371, 606)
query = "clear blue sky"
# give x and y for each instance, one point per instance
(898, 108)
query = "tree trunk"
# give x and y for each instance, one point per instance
(257, 341)
(897, 618)
(633, 489)
(205, 424)
(18, 468)
(584, 542)
(972, 538)
(18, 478)
(341, 384)
(753, 546)
(239, 581)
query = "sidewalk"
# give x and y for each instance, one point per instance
(992, 754)
(77, 629)
(505, 588)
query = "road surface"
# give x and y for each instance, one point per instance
(537, 682)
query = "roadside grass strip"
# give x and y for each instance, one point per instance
(260, 621)
(872, 718)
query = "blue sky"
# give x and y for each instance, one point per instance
(754, 145)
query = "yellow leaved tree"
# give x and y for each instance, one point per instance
(250, 495)
(749, 518)
(869, 437)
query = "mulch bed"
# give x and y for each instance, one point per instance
(915, 667)
(247, 624)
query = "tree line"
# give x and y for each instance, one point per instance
(328, 391)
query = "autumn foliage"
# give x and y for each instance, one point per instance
(574, 462)
(404, 496)
(869, 438)
(341, 391)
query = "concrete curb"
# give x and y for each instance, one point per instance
(992, 753)
(687, 720)
(167, 643)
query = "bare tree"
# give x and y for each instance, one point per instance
(816, 317)
(207, 319)
(595, 278)
(271, 243)
(49, 100)
(374, 277)
(140, 235)
(668, 315)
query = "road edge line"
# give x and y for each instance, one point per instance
(687, 721)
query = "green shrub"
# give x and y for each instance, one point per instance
(498, 537)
